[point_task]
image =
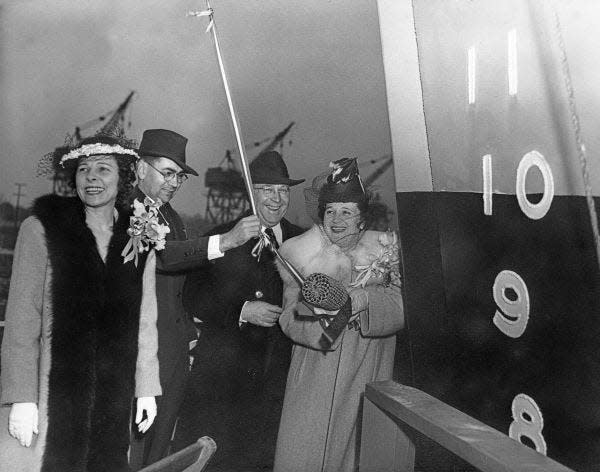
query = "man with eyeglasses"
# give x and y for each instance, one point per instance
(160, 172)
(236, 390)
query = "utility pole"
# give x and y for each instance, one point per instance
(18, 194)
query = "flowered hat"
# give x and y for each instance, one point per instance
(63, 159)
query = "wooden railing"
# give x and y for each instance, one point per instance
(393, 412)
(193, 458)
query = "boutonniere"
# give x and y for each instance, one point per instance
(385, 268)
(145, 231)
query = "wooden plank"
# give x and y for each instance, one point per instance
(384, 446)
(193, 458)
(472, 440)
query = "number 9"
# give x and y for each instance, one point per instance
(513, 318)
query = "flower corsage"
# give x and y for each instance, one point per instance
(145, 231)
(385, 266)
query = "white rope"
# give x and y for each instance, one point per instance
(234, 119)
(581, 151)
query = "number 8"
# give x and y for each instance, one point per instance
(527, 422)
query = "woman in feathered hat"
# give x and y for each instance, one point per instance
(70, 345)
(319, 424)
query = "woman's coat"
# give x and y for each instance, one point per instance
(27, 352)
(320, 424)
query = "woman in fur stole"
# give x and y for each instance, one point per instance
(319, 425)
(70, 356)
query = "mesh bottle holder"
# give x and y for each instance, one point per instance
(322, 291)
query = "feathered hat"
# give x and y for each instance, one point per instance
(343, 184)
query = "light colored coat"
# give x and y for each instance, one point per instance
(26, 345)
(319, 425)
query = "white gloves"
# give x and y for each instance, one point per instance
(322, 311)
(23, 419)
(23, 422)
(147, 404)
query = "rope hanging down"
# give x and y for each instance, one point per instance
(264, 240)
(581, 151)
(212, 27)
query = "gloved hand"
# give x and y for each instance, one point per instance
(360, 300)
(323, 311)
(23, 422)
(148, 405)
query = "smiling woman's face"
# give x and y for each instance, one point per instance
(96, 180)
(341, 222)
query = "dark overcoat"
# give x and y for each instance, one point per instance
(238, 377)
(175, 331)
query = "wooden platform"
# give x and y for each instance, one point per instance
(393, 413)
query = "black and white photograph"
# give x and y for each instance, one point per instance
(299, 236)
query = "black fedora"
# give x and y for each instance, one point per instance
(269, 168)
(165, 143)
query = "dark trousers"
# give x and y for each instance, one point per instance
(235, 400)
(155, 444)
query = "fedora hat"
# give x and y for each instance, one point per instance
(269, 168)
(165, 143)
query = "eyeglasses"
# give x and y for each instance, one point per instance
(170, 176)
(270, 190)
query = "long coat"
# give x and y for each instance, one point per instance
(70, 342)
(238, 377)
(175, 331)
(319, 428)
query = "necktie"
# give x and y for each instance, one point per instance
(269, 232)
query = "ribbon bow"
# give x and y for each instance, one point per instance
(264, 241)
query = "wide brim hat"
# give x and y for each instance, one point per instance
(269, 168)
(165, 143)
(63, 160)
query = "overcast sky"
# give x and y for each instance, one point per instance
(315, 62)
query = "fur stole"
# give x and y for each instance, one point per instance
(313, 252)
(94, 329)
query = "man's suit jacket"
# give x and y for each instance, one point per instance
(217, 292)
(175, 326)
(175, 331)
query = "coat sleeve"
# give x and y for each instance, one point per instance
(23, 328)
(297, 320)
(385, 313)
(383, 317)
(185, 255)
(147, 379)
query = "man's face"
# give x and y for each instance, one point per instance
(272, 202)
(159, 178)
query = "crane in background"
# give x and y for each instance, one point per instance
(115, 124)
(227, 197)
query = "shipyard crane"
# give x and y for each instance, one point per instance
(227, 197)
(115, 124)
